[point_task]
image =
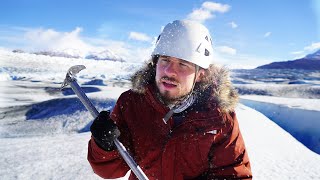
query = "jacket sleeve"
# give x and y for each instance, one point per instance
(109, 164)
(228, 157)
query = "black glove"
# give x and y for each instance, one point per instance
(104, 131)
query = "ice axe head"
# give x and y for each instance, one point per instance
(71, 74)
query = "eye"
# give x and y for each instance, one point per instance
(183, 65)
(164, 60)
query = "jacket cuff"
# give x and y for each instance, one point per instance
(99, 153)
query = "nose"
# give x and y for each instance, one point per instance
(170, 69)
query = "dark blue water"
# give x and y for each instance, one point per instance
(283, 83)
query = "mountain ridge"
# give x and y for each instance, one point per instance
(309, 62)
(73, 53)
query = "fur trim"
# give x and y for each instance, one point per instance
(216, 80)
(146, 75)
(222, 91)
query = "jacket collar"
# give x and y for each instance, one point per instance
(153, 100)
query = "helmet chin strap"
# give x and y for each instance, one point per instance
(184, 103)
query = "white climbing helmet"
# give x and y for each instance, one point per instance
(187, 40)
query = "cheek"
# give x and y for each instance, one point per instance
(158, 75)
(159, 72)
(189, 82)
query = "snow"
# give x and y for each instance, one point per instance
(45, 157)
(44, 132)
(273, 152)
(297, 103)
(300, 117)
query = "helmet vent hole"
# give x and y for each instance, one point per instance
(206, 52)
(207, 38)
(158, 38)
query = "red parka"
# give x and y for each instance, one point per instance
(203, 142)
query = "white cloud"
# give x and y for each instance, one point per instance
(215, 7)
(233, 24)
(241, 61)
(230, 57)
(312, 47)
(49, 39)
(306, 50)
(71, 42)
(267, 34)
(297, 52)
(226, 50)
(139, 36)
(206, 11)
(200, 15)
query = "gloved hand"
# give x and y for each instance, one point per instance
(104, 131)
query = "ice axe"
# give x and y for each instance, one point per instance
(72, 81)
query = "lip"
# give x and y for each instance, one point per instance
(169, 84)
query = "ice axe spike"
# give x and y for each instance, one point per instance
(72, 81)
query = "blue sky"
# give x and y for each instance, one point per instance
(246, 33)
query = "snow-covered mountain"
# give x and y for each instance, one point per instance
(314, 56)
(74, 53)
(58, 54)
(105, 55)
(309, 62)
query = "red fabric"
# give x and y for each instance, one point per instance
(163, 152)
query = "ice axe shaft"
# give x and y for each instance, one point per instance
(71, 80)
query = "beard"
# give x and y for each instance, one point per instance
(166, 97)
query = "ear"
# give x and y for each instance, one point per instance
(200, 74)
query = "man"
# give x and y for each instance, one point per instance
(178, 120)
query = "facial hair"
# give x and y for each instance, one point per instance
(165, 96)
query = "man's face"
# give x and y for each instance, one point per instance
(174, 77)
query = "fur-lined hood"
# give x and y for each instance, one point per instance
(216, 80)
